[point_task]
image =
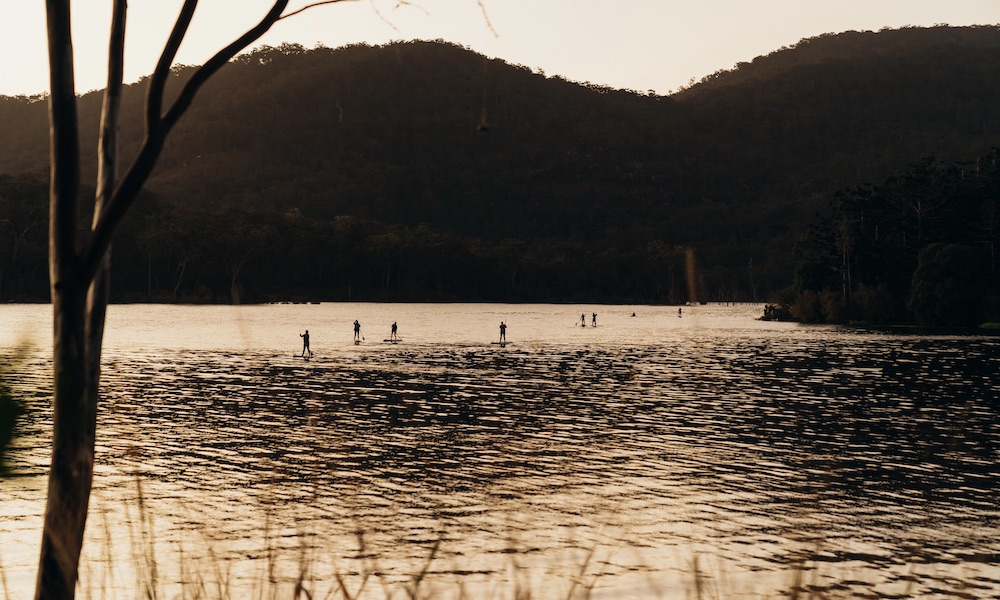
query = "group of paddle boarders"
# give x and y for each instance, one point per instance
(358, 337)
(393, 337)
(394, 332)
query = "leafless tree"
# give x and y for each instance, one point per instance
(78, 268)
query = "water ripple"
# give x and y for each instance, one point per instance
(871, 453)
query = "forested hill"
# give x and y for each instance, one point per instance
(521, 186)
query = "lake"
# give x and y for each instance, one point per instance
(652, 456)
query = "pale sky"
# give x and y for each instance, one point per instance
(636, 44)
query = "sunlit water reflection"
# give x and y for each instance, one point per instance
(644, 457)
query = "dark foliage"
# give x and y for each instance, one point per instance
(948, 286)
(23, 237)
(922, 246)
(776, 312)
(423, 171)
(10, 409)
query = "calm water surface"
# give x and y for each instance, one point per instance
(636, 457)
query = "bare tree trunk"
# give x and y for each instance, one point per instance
(72, 464)
(79, 277)
(21, 231)
(71, 470)
(181, 268)
(78, 273)
(78, 321)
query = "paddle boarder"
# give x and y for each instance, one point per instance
(392, 336)
(503, 332)
(305, 343)
(357, 331)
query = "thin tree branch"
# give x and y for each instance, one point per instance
(408, 3)
(107, 174)
(107, 151)
(313, 5)
(158, 81)
(379, 14)
(486, 17)
(127, 191)
(206, 71)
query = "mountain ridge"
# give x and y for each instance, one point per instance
(432, 134)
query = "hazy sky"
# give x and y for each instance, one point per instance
(638, 44)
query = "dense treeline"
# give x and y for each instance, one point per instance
(921, 247)
(424, 171)
(24, 204)
(168, 253)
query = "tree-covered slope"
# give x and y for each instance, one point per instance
(430, 135)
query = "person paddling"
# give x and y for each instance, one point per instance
(305, 343)
(357, 331)
(393, 336)
(503, 332)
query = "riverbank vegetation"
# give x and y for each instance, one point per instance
(921, 248)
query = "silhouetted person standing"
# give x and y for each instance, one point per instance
(503, 331)
(357, 331)
(594, 322)
(305, 343)
(393, 335)
(583, 320)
